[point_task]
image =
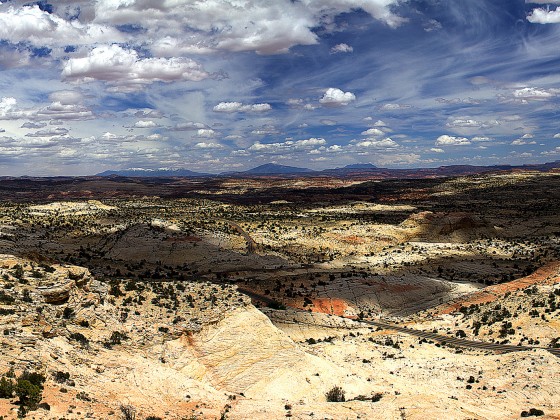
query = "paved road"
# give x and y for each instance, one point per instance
(455, 341)
(459, 342)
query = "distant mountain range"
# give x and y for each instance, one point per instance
(355, 170)
(273, 169)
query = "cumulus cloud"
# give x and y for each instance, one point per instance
(66, 97)
(373, 132)
(204, 145)
(205, 133)
(287, 146)
(9, 109)
(544, 16)
(386, 143)
(337, 97)
(471, 123)
(30, 124)
(534, 93)
(341, 48)
(524, 140)
(58, 131)
(31, 24)
(264, 27)
(437, 150)
(12, 56)
(126, 71)
(230, 107)
(145, 124)
(446, 140)
(557, 136)
(479, 139)
(60, 111)
(188, 126)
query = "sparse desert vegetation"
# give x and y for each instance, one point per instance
(240, 299)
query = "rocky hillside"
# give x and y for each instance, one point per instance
(75, 347)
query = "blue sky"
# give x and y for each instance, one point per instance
(221, 85)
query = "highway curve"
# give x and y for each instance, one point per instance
(458, 342)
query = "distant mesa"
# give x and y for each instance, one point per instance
(361, 166)
(274, 169)
(153, 173)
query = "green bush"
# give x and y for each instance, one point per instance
(6, 388)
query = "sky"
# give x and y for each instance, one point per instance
(226, 85)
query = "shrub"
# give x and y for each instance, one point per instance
(6, 299)
(117, 337)
(61, 377)
(128, 412)
(335, 394)
(29, 390)
(6, 388)
(376, 397)
(80, 338)
(68, 313)
(82, 395)
(532, 412)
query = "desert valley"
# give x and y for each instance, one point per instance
(268, 297)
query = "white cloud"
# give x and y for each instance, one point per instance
(66, 97)
(145, 124)
(58, 131)
(341, 48)
(187, 126)
(9, 109)
(446, 140)
(557, 136)
(481, 139)
(336, 97)
(471, 123)
(30, 124)
(125, 71)
(544, 16)
(229, 107)
(394, 107)
(534, 93)
(204, 145)
(60, 111)
(373, 132)
(31, 24)
(205, 133)
(287, 146)
(386, 143)
(524, 140)
(437, 150)
(251, 25)
(294, 102)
